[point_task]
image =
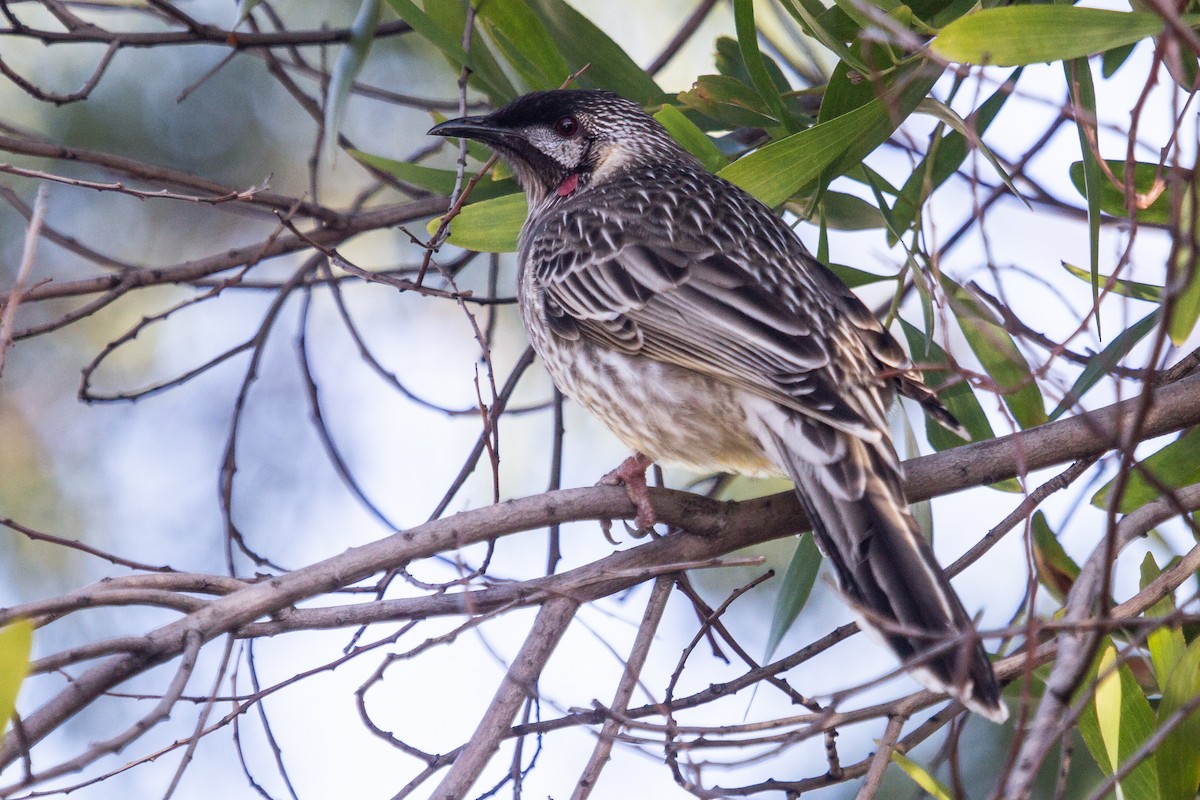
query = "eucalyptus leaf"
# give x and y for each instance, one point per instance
(491, 226)
(1134, 289)
(1102, 363)
(521, 36)
(932, 786)
(1178, 756)
(1116, 723)
(434, 179)
(16, 641)
(797, 586)
(349, 62)
(1056, 570)
(999, 356)
(582, 44)
(1173, 466)
(1011, 36)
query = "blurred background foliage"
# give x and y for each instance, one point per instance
(951, 196)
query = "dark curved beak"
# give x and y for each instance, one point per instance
(480, 128)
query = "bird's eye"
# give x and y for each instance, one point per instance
(566, 127)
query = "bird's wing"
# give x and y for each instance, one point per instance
(698, 307)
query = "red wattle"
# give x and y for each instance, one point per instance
(569, 184)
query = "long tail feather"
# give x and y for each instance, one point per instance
(853, 496)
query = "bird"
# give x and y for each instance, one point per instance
(690, 319)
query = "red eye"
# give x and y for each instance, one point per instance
(566, 127)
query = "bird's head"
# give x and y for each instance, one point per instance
(562, 141)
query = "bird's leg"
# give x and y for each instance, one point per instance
(632, 475)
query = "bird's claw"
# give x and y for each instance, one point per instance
(632, 475)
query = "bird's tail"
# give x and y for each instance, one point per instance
(855, 501)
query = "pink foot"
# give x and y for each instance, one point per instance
(632, 475)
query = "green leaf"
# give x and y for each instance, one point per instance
(1165, 642)
(729, 101)
(1029, 34)
(16, 641)
(999, 356)
(1178, 756)
(729, 62)
(1114, 58)
(349, 62)
(945, 157)
(1102, 363)
(815, 20)
(1138, 291)
(957, 397)
(1056, 570)
(1116, 723)
(491, 226)
(948, 115)
(582, 43)
(523, 39)
(690, 137)
(1112, 199)
(1186, 267)
(779, 170)
(1173, 466)
(797, 586)
(841, 211)
(436, 180)
(747, 34)
(854, 277)
(442, 27)
(932, 786)
(1083, 95)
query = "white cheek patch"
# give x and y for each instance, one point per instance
(566, 152)
(609, 157)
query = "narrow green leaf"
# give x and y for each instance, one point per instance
(841, 211)
(1178, 757)
(999, 356)
(582, 43)
(729, 62)
(932, 786)
(1138, 291)
(1186, 269)
(1114, 58)
(814, 19)
(1083, 94)
(946, 156)
(1011, 36)
(1125, 720)
(797, 586)
(1108, 705)
(1173, 466)
(1056, 570)
(244, 7)
(854, 277)
(440, 31)
(520, 35)
(1102, 363)
(349, 62)
(16, 641)
(747, 34)
(690, 137)
(491, 226)
(777, 171)
(729, 101)
(1165, 642)
(922, 511)
(948, 115)
(957, 396)
(436, 180)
